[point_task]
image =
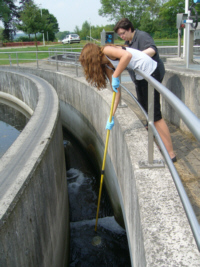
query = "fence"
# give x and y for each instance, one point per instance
(21, 44)
(193, 123)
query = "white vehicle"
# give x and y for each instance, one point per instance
(71, 38)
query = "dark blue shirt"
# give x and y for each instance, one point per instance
(141, 41)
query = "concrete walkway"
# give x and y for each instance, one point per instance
(187, 150)
(185, 146)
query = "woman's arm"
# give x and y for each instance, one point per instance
(123, 56)
(117, 99)
(109, 74)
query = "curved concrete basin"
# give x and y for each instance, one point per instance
(33, 189)
(15, 103)
(157, 228)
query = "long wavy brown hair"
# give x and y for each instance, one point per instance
(91, 60)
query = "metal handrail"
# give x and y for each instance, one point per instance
(193, 123)
(190, 119)
(55, 51)
(92, 39)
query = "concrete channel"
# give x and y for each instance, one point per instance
(33, 193)
(146, 201)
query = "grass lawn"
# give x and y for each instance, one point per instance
(158, 42)
(166, 42)
(24, 55)
(15, 54)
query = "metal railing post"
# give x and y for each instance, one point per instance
(151, 163)
(10, 60)
(76, 65)
(120, 79)
(17, 59)
(56, 61)
(150, 122)
(37, 59)
(120, 101)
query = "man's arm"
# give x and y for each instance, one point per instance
(149, 51)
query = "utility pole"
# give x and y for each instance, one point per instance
(90, 29)
(43, 30)
(184, 31)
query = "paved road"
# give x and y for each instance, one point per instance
(185, 146)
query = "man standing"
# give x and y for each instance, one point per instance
(143, 41)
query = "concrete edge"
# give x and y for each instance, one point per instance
(25, 138)
(158, 230)
(23, 171)
(16, 103)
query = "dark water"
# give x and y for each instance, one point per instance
(83, 188)
(12, 122)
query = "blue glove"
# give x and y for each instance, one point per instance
(115, 83)
(109, 125)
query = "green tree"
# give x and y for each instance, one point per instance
(85, 30)
(167, 17)
(8, 15)
(153, 7)
(77, 30)
(22, 4)
(31, 21)
(52, 23)
(146, 23)
(168, 11)
(95, 30)
(117, 9)
(4, 11)
(149, 18)
(147, 15)
(62, 35)
(1, 33)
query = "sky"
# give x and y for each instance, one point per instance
(72, 13)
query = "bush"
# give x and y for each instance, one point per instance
(165, 33)
(27, 39)
(24, 39)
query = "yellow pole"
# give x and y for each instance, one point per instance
(104, 160)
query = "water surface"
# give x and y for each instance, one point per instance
(12, 122)
(83, 188)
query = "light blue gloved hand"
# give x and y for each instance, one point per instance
(109, 125)
(115, 83)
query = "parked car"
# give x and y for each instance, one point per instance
(71, 38)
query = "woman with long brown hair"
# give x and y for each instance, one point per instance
(100, 63)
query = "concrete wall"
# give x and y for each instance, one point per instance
(185, 85)
(168, 50)
(173, 50)
(34, 221)
(157, 228)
